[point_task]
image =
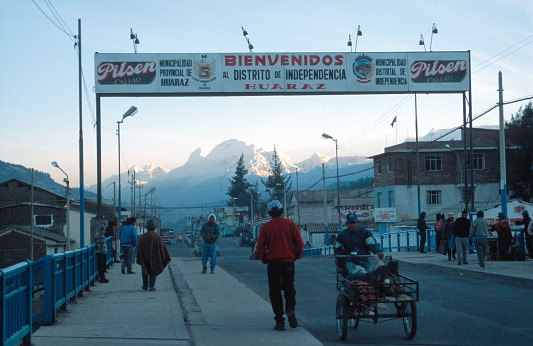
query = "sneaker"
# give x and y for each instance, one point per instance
(292, 319)
(152, 288)
(204, 270)
(280, 326)
(144, 288)
(212, 271)
(104, 281)
(123, 271)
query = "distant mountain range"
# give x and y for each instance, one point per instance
(204, 180)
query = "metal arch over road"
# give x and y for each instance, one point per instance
(262, 74)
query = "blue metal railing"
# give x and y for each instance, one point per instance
(62, 277)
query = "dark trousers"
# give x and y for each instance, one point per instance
(422, 240)
(529, 244)
(281, 277)
(437, 240)
(149, 278)
(100, 258)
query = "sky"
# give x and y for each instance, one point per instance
(39, 71)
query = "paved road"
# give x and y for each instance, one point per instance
(452, 310)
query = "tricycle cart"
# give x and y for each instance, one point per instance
(373, 291)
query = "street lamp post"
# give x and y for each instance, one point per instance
(326, 136)
(460, 172)
(234, 227)
(68, 202)
(146, 194)
(130, 112)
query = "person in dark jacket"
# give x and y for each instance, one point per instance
(210, 233)
(100, 248)
(461, 229)
(354, 239)
(279, 245)
(529, 239)
(447, 236)
(422, 227)
(152, 256)
(504, 236)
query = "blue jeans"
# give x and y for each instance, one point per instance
(209, 250)
(127, 257)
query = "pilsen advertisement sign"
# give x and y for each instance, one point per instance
(282, 73)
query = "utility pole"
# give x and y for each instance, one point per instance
(297, 198)
(140, 207)
(326, 235)
(503, 168)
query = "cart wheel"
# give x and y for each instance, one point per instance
(342, 317)
(409, 319)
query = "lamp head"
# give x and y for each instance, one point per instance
(55, 164)
(326, 136)
(136, 39)
(349, 44)
(132, 35)
(359, 32)
(250, 46)
(434, 29)
(421, 42)
(130, 112)
(447, 146)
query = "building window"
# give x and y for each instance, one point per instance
(43, 220)
(433, 162)
(379, 199)
(391, 199)
(479, 162)
(389, 165)
(378, 167)
(433, 197)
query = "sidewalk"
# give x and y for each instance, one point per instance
(188, 308)
(515, 273)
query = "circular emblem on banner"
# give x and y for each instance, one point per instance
(363, 68)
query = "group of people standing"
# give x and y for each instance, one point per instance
(152, 254)
(453, 236)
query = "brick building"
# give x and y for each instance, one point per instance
(49, 209)
(16, 242)
(442, 176)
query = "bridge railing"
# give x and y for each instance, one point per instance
(61, 276)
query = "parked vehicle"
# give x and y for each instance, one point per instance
(165, 235)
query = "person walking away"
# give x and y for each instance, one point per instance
(116, 239)
(128, 240)
(210, 233)
(279, 245)
(100, 248)
(505, 236)
(422, 227)
(529, 238)
(110, 232)
(461, 230)
(152, 256)
(354, 239)
(447, 237)
(479, 231)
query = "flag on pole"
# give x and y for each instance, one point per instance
(393, 121)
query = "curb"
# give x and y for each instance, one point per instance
(472, 274)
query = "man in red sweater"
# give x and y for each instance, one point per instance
(279, 245)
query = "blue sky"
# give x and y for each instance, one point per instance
(39, 69)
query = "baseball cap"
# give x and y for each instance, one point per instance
(525, 212)
(352, 217)
(274, 205)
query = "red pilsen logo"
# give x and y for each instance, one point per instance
(118, 72)
(427, 71)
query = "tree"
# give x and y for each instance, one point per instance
(239, 186)
(519, 133)
(276, 181)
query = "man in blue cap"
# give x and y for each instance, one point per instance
(354, 239)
